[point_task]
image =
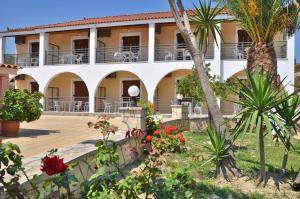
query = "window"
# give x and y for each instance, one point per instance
(102, 92)
(53, 92)
(131, 43)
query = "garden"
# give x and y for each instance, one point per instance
(254, 155)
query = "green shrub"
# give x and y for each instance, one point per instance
(21, 105)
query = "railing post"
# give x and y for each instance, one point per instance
(43, 48)
(151, 43)
(93, 45)
(2, 49)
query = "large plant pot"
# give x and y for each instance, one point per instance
(10, 128)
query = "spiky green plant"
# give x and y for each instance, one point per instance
(259, 99)
(206, 21)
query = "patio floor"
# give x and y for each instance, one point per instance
(54, 131)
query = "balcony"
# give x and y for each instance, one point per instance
(178, 53)
(24, 60)
(77, 56)
(238, 51)
(122, 54)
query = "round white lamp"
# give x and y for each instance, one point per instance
(133, 92)
(179, 97)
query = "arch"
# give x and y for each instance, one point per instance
(26, 82)
(240, 74)
(112, 88)
(165, 92)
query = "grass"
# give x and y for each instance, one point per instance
(247, 158)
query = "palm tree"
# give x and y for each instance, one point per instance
(263, 20)
(259, 99)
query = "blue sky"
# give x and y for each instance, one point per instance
(20, 13)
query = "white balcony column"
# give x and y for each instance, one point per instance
(217, 55)
(2, 49)
(91, 103)
(93, 45)
(43, 48)
(151, 43)
(290, 70)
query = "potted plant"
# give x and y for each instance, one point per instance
(19, 106)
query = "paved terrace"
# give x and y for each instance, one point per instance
(55, 131)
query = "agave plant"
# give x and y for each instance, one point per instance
(219, 150)
(290, 115)
(259, 99)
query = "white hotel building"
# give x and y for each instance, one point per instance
(88, 65)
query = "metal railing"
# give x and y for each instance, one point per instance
(24, 59)
(122, 54)
(178, 53)
(103, 104)
(238, 51)
(76, 56)
(66, 104)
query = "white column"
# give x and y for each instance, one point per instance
(151, 43)
(93, 45)
(91, 103)
(290, 76)
(43, 47)
(217, 55)
(2, 49)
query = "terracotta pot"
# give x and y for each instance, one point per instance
(10, 128)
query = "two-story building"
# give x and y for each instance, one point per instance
(88, 65)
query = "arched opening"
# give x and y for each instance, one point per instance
(165, 92)
(66, 92)
(25, 82)
(112, 91)
(228, 107)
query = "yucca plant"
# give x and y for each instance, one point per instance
(219, 150)
(259, 99)
(263, 20)
(206, 21)
(290, 115)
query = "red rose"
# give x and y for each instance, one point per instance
(156, 133)
(149, 138)
(53, 165)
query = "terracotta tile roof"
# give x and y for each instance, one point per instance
(99, 20)
(10, 66)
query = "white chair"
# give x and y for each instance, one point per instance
(168, 56)
(135, 56)
(187, 55)
(107, 106)
(78, 106)
(56, 105)
(236, 109)
(86, 107)
(118, 56)
(78, 58)
(34, 61)
(197, 109)
(238, 54)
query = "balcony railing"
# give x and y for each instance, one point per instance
(77, 56)
(66, 104)
(103, 104)
(24, 60)
(178, 53)
(122, 54)
(238, 51)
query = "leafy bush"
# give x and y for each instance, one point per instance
(21, 105)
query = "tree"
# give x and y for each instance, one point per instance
(259, 99)
(263, 20)
(183, 24)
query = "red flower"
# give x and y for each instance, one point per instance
(170, 129)
(149, 138)
(53, 165)
(156, 133)
(182, 140)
